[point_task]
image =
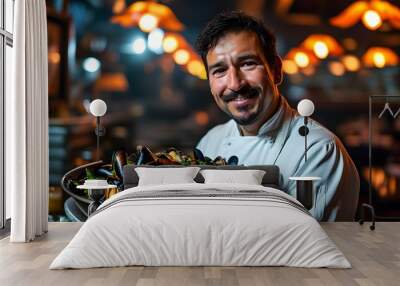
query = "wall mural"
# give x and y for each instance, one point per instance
(138, 58)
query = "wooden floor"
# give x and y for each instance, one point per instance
(375, 256)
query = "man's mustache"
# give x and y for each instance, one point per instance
(247, 92)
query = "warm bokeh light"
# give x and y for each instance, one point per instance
(170, 44)
(385, 184)
(336, 68)
(321, 49)
(322, 45)
(182, 53)
(118, 6)
(289, 67)
(379, 60)
(392, 186)
(301, 59)
(195, 67)
(372, 13)
(380, 57)
(133, 14)
(201, 118)
(371, 20)
(148, 22)
(351, 63)
(111, 82)
(202, 73)
(54, 57)
(181, 56)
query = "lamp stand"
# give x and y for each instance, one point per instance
(303, 130)
(99, 131)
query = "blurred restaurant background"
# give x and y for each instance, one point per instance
(138, 57)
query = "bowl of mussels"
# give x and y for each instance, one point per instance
(113, 172)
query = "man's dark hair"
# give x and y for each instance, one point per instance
(235, 21)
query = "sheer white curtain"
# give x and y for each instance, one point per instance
(27, 123)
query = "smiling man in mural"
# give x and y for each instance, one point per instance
(244, 72)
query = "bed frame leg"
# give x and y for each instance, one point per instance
(372, 210)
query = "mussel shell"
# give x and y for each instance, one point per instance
(175, 156)
(104, 172)
(198, 155)
(171, 149)
(114, 181)
(187, 160)
(145, 156)
(165, 159)
(219, 161)
(208, 160)
(118, 162)
(132, 158)
(71, 184)
(233, 160)
(110, 192)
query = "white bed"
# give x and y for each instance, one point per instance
(222, 225)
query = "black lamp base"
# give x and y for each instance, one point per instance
(305, 190)
(305, 193)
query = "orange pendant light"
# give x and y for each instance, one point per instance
(322, 45)
(148, 15)
(372, 14)
(380, 57)
(302, 57)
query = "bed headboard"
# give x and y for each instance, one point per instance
(270, 179)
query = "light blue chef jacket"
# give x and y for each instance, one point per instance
(278, 142)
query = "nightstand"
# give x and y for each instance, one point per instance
(96, 194)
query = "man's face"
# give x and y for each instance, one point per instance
(242, 83)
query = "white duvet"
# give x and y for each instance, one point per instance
(188, 231)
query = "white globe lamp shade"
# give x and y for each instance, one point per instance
(98, 107)
(305, 107)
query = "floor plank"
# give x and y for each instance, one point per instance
(374, 255)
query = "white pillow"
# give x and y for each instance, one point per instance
(163, 176)
(248, 177)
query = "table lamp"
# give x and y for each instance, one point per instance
(305, 185)
(98, 108)
(305, 109)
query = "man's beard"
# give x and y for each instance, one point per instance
(245, 92)
(250, 119)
